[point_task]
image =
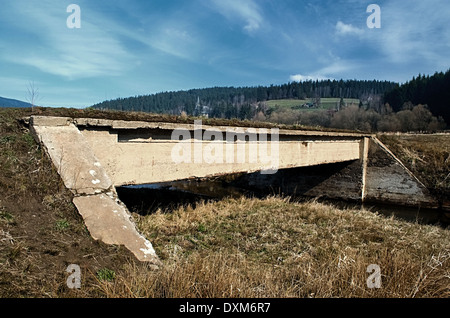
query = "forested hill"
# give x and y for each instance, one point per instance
(231, 102)
(8, 102)
(433, 91)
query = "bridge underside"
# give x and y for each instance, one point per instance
(93, 156)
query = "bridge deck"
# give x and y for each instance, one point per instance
(147, 152)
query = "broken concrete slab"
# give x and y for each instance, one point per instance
(109, 221)
(98, 122)
(50, 121)
(105, 217)
(73, 158)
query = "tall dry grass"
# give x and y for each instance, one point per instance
(276, 248)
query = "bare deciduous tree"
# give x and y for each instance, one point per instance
(33, 94)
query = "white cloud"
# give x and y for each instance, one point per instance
(347, 29)
(303, 78)
(245, 10)
(336, 69)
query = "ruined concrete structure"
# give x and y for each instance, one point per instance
(94, 156)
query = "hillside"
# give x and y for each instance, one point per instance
(245, 102)
(7, 102)
(427, 156)
(370, 106)
(244, 247)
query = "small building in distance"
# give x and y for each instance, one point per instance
(202, 111)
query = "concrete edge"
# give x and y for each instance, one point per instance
(386, 149)
(123, 124)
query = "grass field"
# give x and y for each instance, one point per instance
(277, 248)
(326, 103)
(232, 248)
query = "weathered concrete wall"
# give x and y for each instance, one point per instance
(73, 158)
(133, 162)
(388, 180)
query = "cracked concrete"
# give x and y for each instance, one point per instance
(105, 217)
(109, 221)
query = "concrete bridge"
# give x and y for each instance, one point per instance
(94, 156)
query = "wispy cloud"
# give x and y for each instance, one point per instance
(419, 33)
(176, 39)
(347, 29)
(303, 78)
(246, 11)
(174, 32)
(58, 50)
(336, 68)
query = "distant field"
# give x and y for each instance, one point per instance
(325, 103)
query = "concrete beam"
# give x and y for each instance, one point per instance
(130, 125)
(151, 161)
(364, 154)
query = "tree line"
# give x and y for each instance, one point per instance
(352, 117)
(418, 105)
(241, 102)
(433, 91)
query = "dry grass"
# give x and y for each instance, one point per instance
(277, 248)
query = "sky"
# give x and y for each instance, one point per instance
(118, 49)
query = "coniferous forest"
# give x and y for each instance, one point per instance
(227, 102)
(420, 104)
(433, 91)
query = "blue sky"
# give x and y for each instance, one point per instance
(137, 47)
